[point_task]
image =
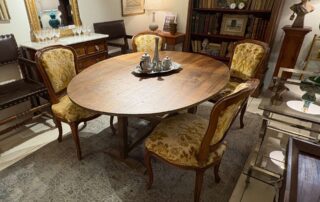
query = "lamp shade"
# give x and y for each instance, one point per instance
(154, 5)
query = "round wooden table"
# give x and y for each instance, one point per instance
(109, 87)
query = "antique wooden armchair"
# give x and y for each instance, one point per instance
(21, 90)
(116, 31)
(145, 42)
(191, 142)
(248, 61)
(57, 66)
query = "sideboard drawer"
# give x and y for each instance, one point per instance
(96, 48)
(84, 63)
(81, 51)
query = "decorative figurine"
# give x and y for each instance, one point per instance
(204, 45)
(300, 9)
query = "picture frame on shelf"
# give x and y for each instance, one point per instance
(4, 13)
(169, 18)
(234, 25)
(132, 7)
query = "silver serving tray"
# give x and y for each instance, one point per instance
(174, 67)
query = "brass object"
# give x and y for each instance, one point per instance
(35, 22)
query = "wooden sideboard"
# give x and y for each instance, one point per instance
(90, 49)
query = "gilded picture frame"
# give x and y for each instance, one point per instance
(234, 25)
(4, 12)
(132, 7)
(35, 22)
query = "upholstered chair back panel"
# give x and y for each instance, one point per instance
(146, 43)
(227, 115)
(59, 65)
(246, 59)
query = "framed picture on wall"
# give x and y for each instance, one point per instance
(132, 7)
(234, 25)
(4, 13)
(170, 18)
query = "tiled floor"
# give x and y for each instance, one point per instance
(21, 143)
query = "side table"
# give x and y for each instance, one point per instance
(173, 40)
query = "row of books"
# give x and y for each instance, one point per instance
(249, 4)
(256, 28)
(261, 5)
(205, 23)
(210, 24)
(224, 49)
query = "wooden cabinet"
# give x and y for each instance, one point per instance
(89, 49)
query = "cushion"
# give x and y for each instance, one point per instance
(245, 60)
(146, 43)
(177, 139)
(69, 111)
(60, 67)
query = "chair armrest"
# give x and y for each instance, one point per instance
(26, 61)
(129, 36)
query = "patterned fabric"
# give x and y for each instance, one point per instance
(226, 116)
(60, 67)
(178, 139)
(245, 60)
(146, 43)
(69, 111)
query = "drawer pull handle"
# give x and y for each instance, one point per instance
(97, 47)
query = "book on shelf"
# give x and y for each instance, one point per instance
(249, 4)
(212, 49)
(209, 24)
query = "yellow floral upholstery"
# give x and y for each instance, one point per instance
(245, 60)
(69, 111)
(177, 139)
(59, 65)
(146, 43)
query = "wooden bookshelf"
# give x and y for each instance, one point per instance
(270, 18)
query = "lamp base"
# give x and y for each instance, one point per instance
(153, 27)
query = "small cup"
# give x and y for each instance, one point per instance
(166, 63)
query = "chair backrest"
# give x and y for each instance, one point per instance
(145, 42)
(9, 51)
(249, 59)
(57, 66)
(222, 116)
(115, 29)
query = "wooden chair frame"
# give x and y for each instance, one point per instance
(205, 147)
(54, 97)
(116, 30)
(25, 89)
(134, 46)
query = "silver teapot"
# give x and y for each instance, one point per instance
(145, 63)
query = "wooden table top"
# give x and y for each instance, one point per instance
(109, 86)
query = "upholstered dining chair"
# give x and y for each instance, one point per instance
(145, 42)
(247, 61)
(57, 66)
(191, 142)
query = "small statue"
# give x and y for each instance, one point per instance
(300, 9)
(204, 46)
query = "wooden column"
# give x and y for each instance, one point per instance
(291, 46)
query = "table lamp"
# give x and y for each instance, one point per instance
(154, 5)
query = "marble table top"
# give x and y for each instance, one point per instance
(64, 41)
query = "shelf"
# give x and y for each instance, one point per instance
(219, 36)
(225, 59)
(226, 10)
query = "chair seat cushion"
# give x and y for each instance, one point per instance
(177, 140)
(69, 111)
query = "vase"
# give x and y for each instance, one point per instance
(54, 22)
(155, 60)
